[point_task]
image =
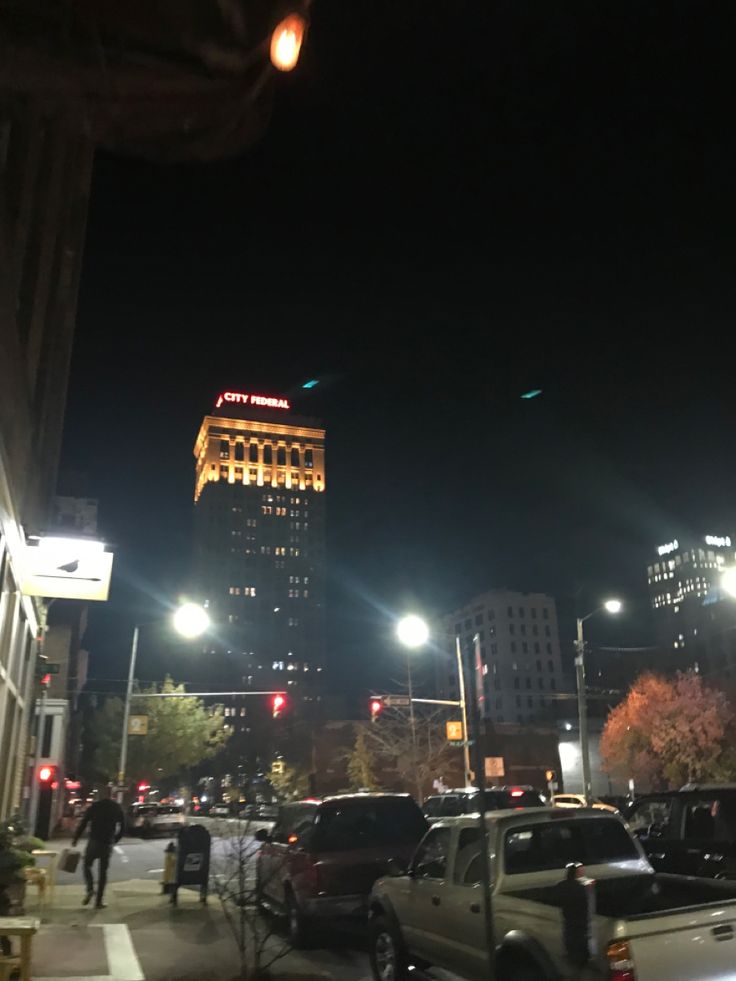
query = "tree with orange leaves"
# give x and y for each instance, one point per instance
(668, 731)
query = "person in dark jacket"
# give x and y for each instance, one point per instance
(106, 824)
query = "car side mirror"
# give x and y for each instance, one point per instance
(396, 867)
(262, 835)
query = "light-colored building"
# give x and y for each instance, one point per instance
(520, 672)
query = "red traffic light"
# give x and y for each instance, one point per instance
(376, 707)
(46, 681)
(278, 704)
(143, 786)
(45, 774)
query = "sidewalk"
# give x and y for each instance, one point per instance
(141, 937)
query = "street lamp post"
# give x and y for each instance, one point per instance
(190, 620)
(413, 633)
(610, 606)
(463, 709)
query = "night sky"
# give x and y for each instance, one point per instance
(450, 207)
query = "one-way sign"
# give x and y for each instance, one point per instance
(396, 701)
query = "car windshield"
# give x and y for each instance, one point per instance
(554, 844)
(369, 823)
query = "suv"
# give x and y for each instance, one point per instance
(689, 832)
(140, 818)
(465, 801)
(323, 856)
(578, 800)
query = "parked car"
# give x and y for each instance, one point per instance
(647, 927)
(689, 832)
(167, 819)
(260, 811)
(323, 856)
(139, 819)
(219, 810)
(466, 801)
(578, 800)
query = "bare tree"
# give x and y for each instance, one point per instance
(419, 757)
(238, 882)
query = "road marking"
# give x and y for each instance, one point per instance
(122, 959)
(119, 851)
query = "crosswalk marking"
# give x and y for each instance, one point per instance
(122, 960)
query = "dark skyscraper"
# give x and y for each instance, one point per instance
(260, 544)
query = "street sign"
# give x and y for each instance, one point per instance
(396, 701)
(454, 732)
(494, 766)
(138, 725)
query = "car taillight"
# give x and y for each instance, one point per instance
(517, 793)
(620, 962)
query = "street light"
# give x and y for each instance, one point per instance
(611, 606)
(189, 620)
(413, 632)
(728, 581)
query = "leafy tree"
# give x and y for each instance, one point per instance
(668, 731)
(362, 764)
(293, 782)
(181, 733)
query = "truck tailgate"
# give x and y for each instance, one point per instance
(695, 945)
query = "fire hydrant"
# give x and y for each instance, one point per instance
(168, 879)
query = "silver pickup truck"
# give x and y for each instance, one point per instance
(646, 926)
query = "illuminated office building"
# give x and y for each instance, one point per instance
(260, 544)
(695, 619)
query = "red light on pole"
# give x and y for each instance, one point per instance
(376, 707)
(278, 705)
(45, 774)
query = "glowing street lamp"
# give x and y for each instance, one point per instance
(728, 581)
(286, 42)
(612, 606)
(190, 620)
(412, 631)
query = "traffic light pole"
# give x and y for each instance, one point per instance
(35, 790)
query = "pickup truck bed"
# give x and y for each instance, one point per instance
(636, 896)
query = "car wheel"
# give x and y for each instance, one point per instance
(297, 923)
(387, 953)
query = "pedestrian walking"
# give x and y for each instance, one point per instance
(106, 824)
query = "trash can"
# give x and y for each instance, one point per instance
(192, 861)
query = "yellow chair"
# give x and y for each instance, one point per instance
(39, 878)
(9, 966)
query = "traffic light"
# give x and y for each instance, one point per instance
(46, 775)
(143, 786)
(376, 707)
(278, 704)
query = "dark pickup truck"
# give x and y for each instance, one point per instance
(688, 832)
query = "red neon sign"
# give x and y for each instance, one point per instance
(244, 398)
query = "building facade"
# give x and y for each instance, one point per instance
(259, 538)
(44, 189)
(695, 618)
(519, 676)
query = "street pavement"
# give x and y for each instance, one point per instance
(141, 937)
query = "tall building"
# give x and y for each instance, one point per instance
(695, 619)
(260, 544)
(520, 665)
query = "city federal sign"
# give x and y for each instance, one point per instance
(245, 398)
(66, 568)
